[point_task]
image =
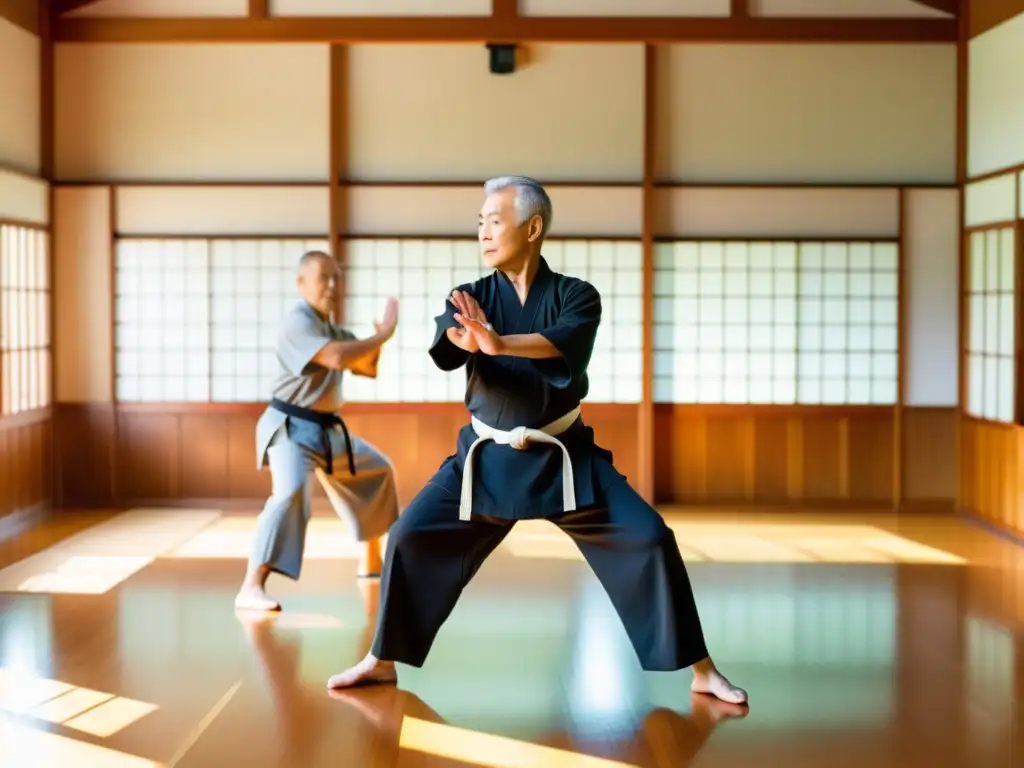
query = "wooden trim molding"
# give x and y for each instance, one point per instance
(989, 174)
(508, 30)
(646, 447)
(60, 7)
(982, 16)
(22, 13)
(25, 418)
(259, 9)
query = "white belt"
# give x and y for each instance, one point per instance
(518, 438)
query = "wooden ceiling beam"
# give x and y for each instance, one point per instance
(516, 29)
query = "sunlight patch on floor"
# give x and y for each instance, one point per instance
(740, 543)
(98, 559)
(94, 712)
(85, 575)
(25, 747)
(231, 537)
(484, 749)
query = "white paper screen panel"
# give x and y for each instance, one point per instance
(780, 113)
(184, 112)
(222, 211)
(845, 9)
(991, 337)
(412, 211)
(197, 320)
(162, 9)
(25, 335)
(446, 118)
(932, 274)
(727, 213)
(326, 8)
(776, 322)
(19, 98)
(665, 8)
(990, 201)
(24, 198)
(995, 98)
(421, 274)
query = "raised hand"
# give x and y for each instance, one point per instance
(480, 335)
(462, 340)
(387, 324)
(467, 306)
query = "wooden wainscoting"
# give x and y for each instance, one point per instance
(774, 455)
(163, 454)
(26, 477)
(990, 480)
(779, 456)
(929, 459)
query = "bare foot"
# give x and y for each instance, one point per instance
(709, 711)
(369, 671)
(255, 599)
(714, 683)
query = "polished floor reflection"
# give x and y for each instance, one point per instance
(862, 639)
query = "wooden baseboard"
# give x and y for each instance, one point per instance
(21, 520)
(996, 529)
(928, 507)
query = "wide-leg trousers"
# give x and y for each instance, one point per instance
(367, 501)
(432, 555)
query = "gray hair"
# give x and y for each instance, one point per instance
(309, 256)
(531, 199)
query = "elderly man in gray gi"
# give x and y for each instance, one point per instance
(301, 434)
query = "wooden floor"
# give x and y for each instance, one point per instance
(863, 641)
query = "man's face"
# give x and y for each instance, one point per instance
(502, 240)
(318, 280)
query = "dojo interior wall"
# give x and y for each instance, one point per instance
(991, 436)
(26, 427)
(177, 152)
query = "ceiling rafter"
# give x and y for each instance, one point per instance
(60, 7)
(515, 30)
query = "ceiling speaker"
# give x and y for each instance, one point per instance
(502, 58)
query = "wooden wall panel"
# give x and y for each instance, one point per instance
(774, 455)
(84, 434)
(929, 457)
(990, 480)
(171, 454)
(25, 478)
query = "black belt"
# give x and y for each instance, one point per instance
(326, 421)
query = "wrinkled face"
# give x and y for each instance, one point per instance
(503, 241)
(318, 280)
